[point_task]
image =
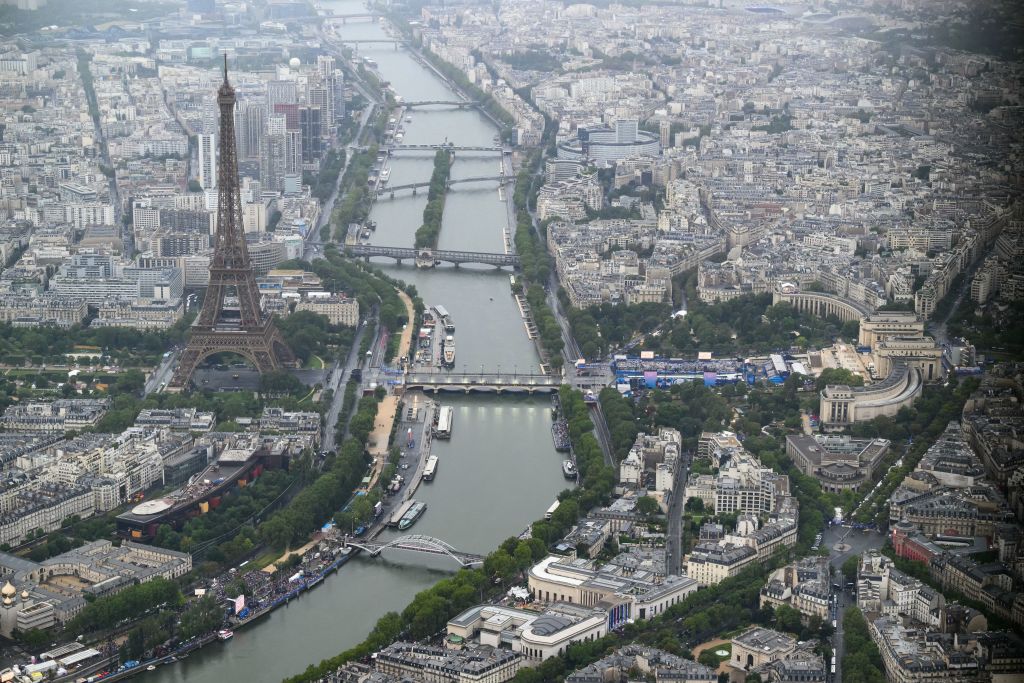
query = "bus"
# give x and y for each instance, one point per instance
(551, 510)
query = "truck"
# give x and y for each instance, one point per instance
(378, 507)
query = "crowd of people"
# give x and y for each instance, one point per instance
(560, 435)
(265, 589)
(676, 365)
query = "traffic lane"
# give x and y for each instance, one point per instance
(857, 540)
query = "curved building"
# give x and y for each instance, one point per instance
(603, 145)
(820, 303)
(842, 405)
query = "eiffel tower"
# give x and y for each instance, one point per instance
(244, 330)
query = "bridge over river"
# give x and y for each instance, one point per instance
(443, 145)
(418, 543)
(483, 382)
(415, 186)
(428, 258)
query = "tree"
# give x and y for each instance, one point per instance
(787, 619)
(838, 376)
(708, 658)
(647, 506)
(202, 616)
(850, 567)
(695, 505)
(194, 186)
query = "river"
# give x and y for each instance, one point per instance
(499, 471)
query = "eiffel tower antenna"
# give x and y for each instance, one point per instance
(241, 327)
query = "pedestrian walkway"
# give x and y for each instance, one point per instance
(380, 437)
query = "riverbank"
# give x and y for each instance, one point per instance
(500, 456)
(448, 73)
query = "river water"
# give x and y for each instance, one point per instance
(499, 471)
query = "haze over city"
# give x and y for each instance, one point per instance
(383, 341)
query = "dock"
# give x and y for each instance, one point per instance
(422, 420)
(397, 515)
(527, 315)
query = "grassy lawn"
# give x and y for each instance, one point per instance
(316, 363)
(261, 561)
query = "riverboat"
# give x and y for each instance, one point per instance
(443, 428)
(560, 435)
(449, 351)
(430, 469)
(446, 319)
(569, 469)
(414, 513)
(225, 634)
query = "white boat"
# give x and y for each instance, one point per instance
(449, 352)
(430, 469)
(384, 175)
(569, 469)
(446, 318)
(443, 430)
(225, 634)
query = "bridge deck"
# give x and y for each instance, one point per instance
(418, 543)
(412, 186)
(408, 253)
(454, 148)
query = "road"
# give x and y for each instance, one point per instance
(859, 541)
(854, 543)
(604, 437)
(674, 539)
(838, 646)
(336, 381)
(163, 373)
(127, 234)
(313, 236)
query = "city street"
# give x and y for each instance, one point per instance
(337, 380)
(858, 542)
(674, 541)
(162, 375)
(852, 543)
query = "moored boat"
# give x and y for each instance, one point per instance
(569, 469)
(430, 469)
(414, 513)
(449, 351)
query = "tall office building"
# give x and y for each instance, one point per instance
(281, 92)
(255, 123)
(325, 65)
(293, 152)
(274, 153)
(626, 130)
(311, 128)
(321, 96)
(241, 144)
(338, 95)
(290, 112)
(207, 160)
